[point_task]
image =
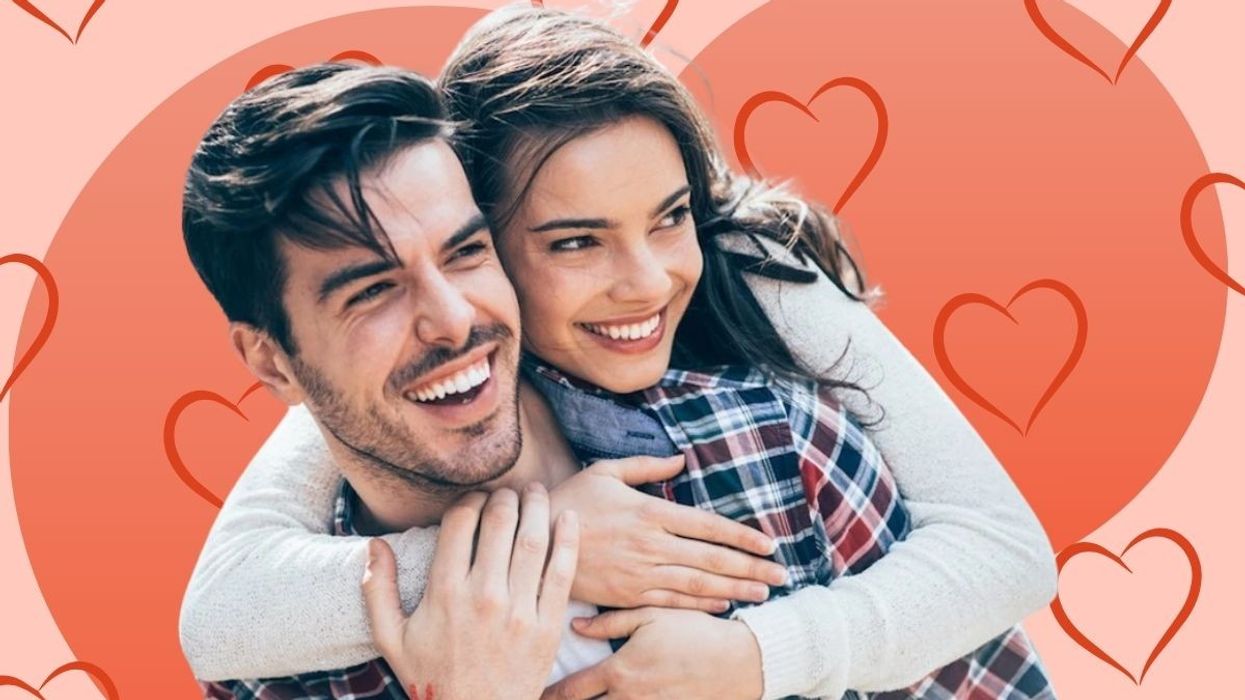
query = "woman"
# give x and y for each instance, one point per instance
(976, 560)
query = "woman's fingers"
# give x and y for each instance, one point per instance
(531, 544)
(701, 584)
(715, 559)
(666, 598)
(456, 539)
(697, 524)
(380, 593)
(555, 590)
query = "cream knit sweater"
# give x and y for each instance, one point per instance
(273, 594)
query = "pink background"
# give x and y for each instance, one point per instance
(68, 106)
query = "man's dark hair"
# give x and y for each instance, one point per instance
(266, 169)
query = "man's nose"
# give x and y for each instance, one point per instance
(641, 277)
(444, 316)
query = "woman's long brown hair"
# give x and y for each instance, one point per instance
(525, 81)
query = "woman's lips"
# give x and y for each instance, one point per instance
(629, 338)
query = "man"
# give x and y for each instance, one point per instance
(329, 217)
(332, 222)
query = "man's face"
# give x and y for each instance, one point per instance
(412, 366)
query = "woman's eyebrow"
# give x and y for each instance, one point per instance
(573, 223)
(556, 224)
(668, 201)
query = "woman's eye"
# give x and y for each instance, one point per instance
(575, 243)
(676, 217)
(370, 293)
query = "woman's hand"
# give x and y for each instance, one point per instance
(637, 550)
(671, 654)
(488, 629)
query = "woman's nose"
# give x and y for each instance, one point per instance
(641, 277)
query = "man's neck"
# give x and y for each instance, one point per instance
(391, 504)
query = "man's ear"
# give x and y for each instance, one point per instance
(267, 361)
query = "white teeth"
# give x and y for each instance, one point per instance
(633, 331)
(465, 380)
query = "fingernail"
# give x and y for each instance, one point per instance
(579, 622)
(758, 592)
(722, 606)
(780, 577)
(371, 557)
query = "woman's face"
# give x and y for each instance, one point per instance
(603, 254)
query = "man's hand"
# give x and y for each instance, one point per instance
(639, 550)
(671, 654)
(488, 629)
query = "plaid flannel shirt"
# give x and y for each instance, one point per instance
(780, 456)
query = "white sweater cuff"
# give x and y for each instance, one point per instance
(799, 650)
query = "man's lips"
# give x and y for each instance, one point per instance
(456, 376)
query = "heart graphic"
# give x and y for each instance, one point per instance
(278, 68)
(38, 14)
(1066, 46)
(1195, 587)
(662, 17)
(879, 141)
(49, 318)
(1186, 226)
(96, 673)
(944, 360)
(170, 429)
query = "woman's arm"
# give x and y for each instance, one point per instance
(977, 560)
(273, 594)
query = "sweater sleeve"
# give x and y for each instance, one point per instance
(274, 593)
(977, 560)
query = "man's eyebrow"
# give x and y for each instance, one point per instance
(668, 201)
(473, 226)
(349, 274)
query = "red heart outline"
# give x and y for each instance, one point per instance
(170, 428)
(278, 68)
(96, 674)
(1078, 347)
(1195, 588)
(657, 25)
(39, 15)
(1190, 236)
(49, 319)
(1066, 46)
(879, 141)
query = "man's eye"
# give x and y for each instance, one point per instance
(370, 293)
(676, 217)
(470, 250)
(570, 244)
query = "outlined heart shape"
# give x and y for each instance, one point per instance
(1066, 46)
(658, 24)
(170, 429)
(278, 68)
(38, 14)
(96, 674)
(1078, 347)
(879, 140)
(1190, 236)
(1195, 587)
(49, 319)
